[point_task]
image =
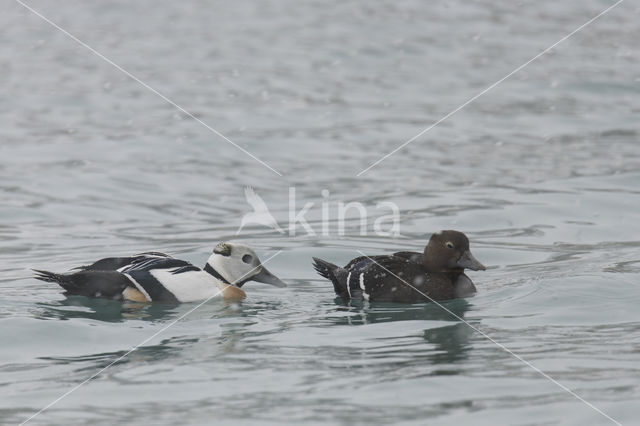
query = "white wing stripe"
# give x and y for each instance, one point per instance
(139, 287)
(364, 293)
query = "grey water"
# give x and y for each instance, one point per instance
(542, 172)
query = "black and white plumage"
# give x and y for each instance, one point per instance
(407, 277)
(158, 277)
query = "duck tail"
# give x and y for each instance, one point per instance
(333, 273)
(105, 284)
(323, 268)
(50, 277)
(62, 280)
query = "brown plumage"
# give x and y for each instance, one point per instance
(407, 277)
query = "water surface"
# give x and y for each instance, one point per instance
(542, 173)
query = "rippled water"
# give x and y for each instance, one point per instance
(542, 173)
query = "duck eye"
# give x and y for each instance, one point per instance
(247, 258)
(449, 244)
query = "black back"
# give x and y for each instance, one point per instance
(115, 263)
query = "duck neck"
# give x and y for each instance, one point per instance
(208, 268)
(432, 264)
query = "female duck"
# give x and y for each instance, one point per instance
(407, 277)
(158, 277)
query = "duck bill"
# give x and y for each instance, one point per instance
(469, 262)
(268, 278)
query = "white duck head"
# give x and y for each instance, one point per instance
(236, 264)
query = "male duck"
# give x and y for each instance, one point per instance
(407, 277)
(158, 277)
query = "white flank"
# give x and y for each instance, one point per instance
(189, 286)
(348, 287)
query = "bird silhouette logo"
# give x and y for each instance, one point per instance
(260, 214)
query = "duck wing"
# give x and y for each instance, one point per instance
(356, 263)
(153, 275)
(399, 279)
(412, 256)
(115, 263)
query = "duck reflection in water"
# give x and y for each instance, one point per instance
(451, 340)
